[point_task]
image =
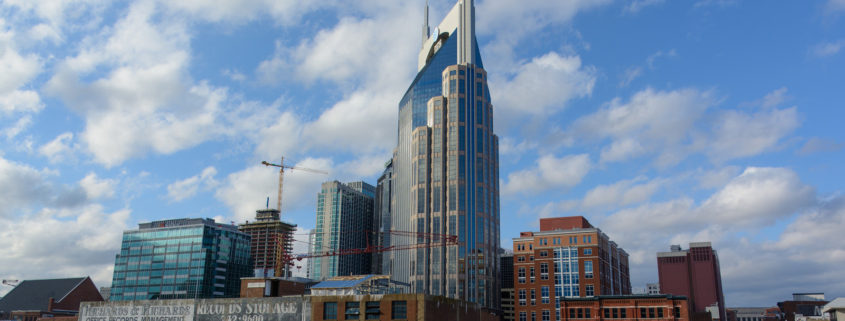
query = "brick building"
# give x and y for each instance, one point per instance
(627, 307)
(261, 287)
(568, 258)
(33, 299)
(693, 273)
(396, 307)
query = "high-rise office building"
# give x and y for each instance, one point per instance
(179, 259)
(568, 258)
(508, 298)
(384, 195)
(693, 273)
(344, 221)
(446, 169)
(270, 243)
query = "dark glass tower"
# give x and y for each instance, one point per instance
(446, 169)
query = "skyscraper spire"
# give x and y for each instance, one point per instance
(425, 31)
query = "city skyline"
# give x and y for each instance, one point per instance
(661, 122)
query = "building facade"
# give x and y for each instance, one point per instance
(344, 221)
(395, 307)
(270, 243)
(34, 299)
(626, 307)
(446, 169)
(181, 258)
(568, 258)
(508, 298)
(384, 196)
(693, 273)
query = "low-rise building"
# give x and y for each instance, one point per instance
(33, 299)
(835, 310)
(262, 287)
(396, 307)
(802, 305)
(619, 307)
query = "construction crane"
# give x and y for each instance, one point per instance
(281, 165)
(424, 240)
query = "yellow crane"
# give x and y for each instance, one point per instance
(281, 165)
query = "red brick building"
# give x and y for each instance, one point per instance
(396, 307)
(626, 307)
(567, 258)
(695, 274)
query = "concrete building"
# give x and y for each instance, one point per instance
(270, 243)
(33, 299)
(835, 310)
(652, 288)
(625, 307)
(344, 221)
(568, 258)
(181, 258)
(508, 299)
(753, 314)
(446, 168)
(693, 273)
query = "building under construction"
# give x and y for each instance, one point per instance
(270, 244)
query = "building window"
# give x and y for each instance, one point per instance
(329, 310)
(546, 316)
(353, 310)
(588, 239)
(523, 316)
(533, 297)
(660, 313)
(642, 313)
(544, 294)
(373, 310)
(522, 297)
(521, 275)
(587, 313)
(623, 313)
(544, 271)
(677, 311)
(533, 316)
(588, 251)
(580, 313)
(606, 313)
(399, 310)
(520, 258)
(588, 269)
(651, 313)
(544, 253)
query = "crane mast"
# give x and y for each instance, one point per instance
(281, 165)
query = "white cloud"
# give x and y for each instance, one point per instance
(621, 193)
(145, 102)
(827, 49)
(835, 6)
(245, 191)
(622, 149)
(19, 126)
(22, 186)
(545, 84)
(54, 244)
(775, 98)
(16, 71)
(97, 188)
(188, 187)
(816, 145)
(283, 12)
(550, 172)
(737, 134)
(630, 74)
(58, 149)
(636, 5)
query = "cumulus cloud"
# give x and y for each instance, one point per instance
(245, 191)
(16, 71)
(145, 102)
(818, 145)
(549, 172)
(545, 84)
(621, 193)
(188, 187)
(58, 149)
(96, 187)
(737, 134)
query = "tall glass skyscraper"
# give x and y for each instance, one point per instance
(180, 259)
(446, 169)
(345, 214)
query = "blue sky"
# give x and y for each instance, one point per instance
(663, 122)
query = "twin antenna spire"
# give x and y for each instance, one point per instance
(425, 30)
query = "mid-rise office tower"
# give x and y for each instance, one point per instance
(181, 259)
(344, 221)
(270, 242)
(446, 169)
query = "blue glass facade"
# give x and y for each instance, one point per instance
(178, 259)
